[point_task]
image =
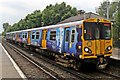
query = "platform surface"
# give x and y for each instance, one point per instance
(7, 70)
(116, 53)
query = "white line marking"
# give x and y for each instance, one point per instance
(14, 64)
(116, 58)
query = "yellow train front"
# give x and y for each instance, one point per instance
(96, 41)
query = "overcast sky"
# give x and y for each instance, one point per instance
(12, 11)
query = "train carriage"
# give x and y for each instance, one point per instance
(86, 40)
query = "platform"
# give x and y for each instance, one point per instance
(116, 54)
(8, 68)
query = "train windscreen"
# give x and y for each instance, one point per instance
(107, 30)
(95, 31)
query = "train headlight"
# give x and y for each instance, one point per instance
(108, 48)
(87, 50)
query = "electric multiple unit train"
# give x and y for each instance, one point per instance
(71, 43)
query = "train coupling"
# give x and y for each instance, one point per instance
(102, 66)
(102, 63)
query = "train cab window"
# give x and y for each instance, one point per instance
(107, 31)
(23, 35)
(88, 30)
(33, 35)
(97, 33)
(53, 35)
(67, 35)
(73, 36)
(37, 35)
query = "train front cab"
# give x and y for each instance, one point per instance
(96, 42)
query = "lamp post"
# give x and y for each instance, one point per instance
(107, 9)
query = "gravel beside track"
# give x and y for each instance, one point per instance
(62, 74)
(66, 73)
(29, 69)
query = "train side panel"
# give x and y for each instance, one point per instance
(55, 38)
(73, 41)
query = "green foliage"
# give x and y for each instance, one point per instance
(102, 10)
(114, 15)
(56, 13)
(52, 14)
(6, 28)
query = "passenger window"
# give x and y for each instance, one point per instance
(53, 35)
(37, 35)
(67, 35)
(19, 35)
(33, 35)
(73, 35)
(25, 35)
(14, 35)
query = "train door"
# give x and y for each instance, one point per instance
(28, 38)
(97, 39)
(44, 35)
(70, 40)
(72, 43)
(67, 39)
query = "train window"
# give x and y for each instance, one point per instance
(88, 30)
(33, 35)
(14, 35)
(20, 35)
(25, 35)
(107, 31)
(37, 35)
(73, 36)
(67, 35)
(97, 33)
(53, 35)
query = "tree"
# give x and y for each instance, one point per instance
(102, 10)
(5, 26)
(118, 24)
(114, 15)
(53, 14)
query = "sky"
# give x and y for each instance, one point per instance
(12, 11)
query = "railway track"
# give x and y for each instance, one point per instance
(76, 74)
(79, 75)
(114, 76)
(52, 74)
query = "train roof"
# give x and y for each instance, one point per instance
(51, 26)
(57, 25)
(81, 17)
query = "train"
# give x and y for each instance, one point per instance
(71, 43)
